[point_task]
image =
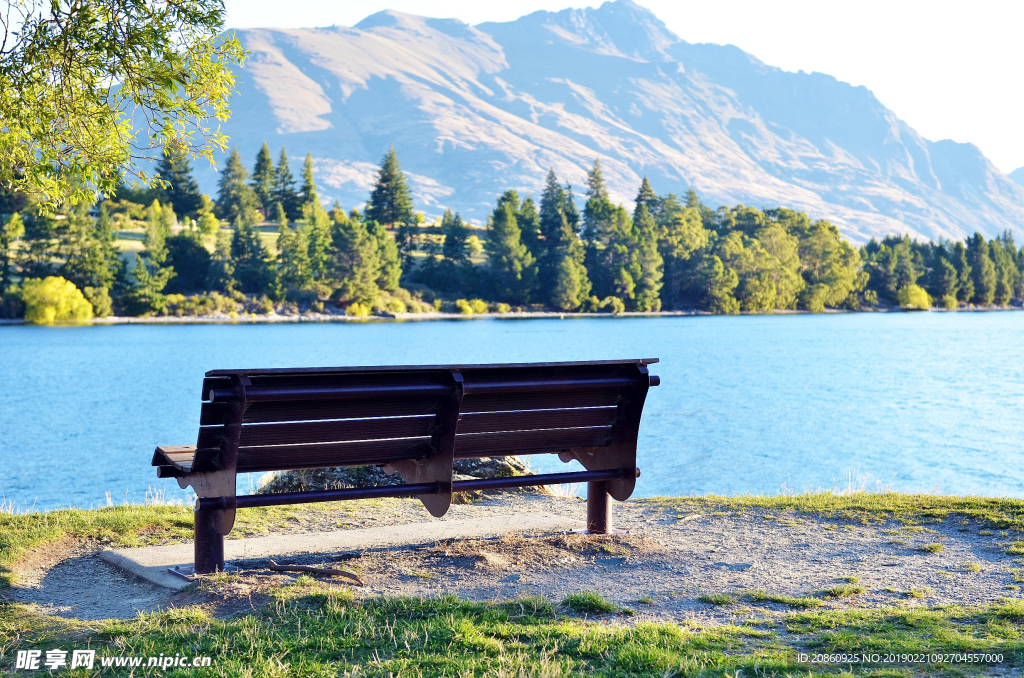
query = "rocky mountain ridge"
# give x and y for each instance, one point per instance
(473, 111)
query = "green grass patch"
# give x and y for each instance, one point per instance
(791, 601)
(589, 602)
(138, 525)
(717, 598)
(317, 631)
(843, 591)
(1016, 549)
(866, 507)
(971, 567)
(931, 548)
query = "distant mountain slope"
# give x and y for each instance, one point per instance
(473, 111)
(1017, 175)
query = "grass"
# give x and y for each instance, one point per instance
(311, 630)
(791, 601)
(971, 567)
(137, 525)
(843, 591)
(931, 548)
(1016, 549)
(589, 602)
(865, 507)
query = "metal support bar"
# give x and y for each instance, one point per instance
(599, 508)
(209, 542)
(285, 498)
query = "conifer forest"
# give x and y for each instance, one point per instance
(266, 244)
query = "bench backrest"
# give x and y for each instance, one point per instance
(309, 418)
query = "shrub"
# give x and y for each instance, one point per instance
(871, 298)
(357, 310)
(99, 297)
(478, 305)
(949, 302)
(437, 304)
(464, 307)
(504, 308)
(54, 300)
(613, 305)
(914, 296)
(397, 306)
(264, 305)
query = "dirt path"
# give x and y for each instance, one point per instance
(661, 569)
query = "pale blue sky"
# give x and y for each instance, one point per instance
(952, 70)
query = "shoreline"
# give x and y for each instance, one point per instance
(274, 318)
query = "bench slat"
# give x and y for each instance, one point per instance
(513, 442)
(284, 457)
(525, 420)
(540, 401)
(213, 414)
(336, 431)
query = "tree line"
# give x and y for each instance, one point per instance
(268, 243)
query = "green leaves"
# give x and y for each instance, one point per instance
(88, 90)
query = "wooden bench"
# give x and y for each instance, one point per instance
(414, 421)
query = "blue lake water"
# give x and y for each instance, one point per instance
(750, 404)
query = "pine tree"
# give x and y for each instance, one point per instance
(645, 197)
(180, 189)
(234, 196)
(222, 269)
(598, 216)
(91, 259)
(293, 248)
(512, 268)
(150, 275)
(566, 282)
(253, 272)
(455, 234)
(965, 278)
(390, 202)
(647, 262)
(263, 180)
(317, 231)
(356, 263)
(390, 262)
(983, 270)
(529, 226)
(308, 190)
(283, 187)
(596, 187)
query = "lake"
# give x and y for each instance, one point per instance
(749, 404)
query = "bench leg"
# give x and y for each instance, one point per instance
(209, 544)
(599, 508)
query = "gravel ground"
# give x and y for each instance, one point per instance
(660, 567)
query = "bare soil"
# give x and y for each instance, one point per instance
(660, 568)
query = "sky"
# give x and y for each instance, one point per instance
(951, 70)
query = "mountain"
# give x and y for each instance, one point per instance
(473, 111)
(1017, 175)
